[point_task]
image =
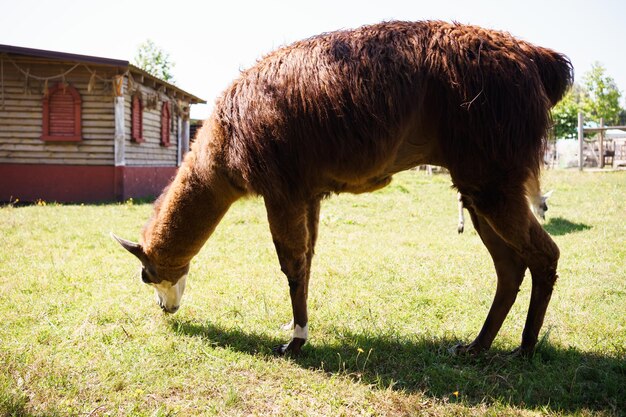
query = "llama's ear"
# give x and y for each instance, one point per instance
(547, 195)
(132, 247)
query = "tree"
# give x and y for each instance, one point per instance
(602, 98)
(154, 60)
(565, 113)
(597, 97)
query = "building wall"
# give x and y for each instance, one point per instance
(80, 183)
(21, 115)
(85, 171)
(150, 152)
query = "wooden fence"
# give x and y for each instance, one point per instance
(604, 152)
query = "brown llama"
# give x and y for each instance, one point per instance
(343, 112)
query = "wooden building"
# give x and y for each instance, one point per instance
(77, 128)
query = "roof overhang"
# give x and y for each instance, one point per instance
(64, 56)
(94, 60)
(138, 71)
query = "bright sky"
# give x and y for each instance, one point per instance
(210, 41)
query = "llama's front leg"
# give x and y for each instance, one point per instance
(293, 231)
(298, 292)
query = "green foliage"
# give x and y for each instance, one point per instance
(565, 114)
(154, 60)
(393, 287)
(602, 98)
(598, 97)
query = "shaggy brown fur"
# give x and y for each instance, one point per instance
(344, 111)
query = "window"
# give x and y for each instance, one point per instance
(61, 114)
(136, 132)
(165, 124)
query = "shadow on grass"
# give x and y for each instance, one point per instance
(556, 378)
(558, 226)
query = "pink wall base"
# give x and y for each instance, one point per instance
(81, 183)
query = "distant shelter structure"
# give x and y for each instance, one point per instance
(606, 148)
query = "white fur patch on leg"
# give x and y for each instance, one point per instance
(301, 332)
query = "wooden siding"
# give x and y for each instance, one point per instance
(21, 117)
(21, 111)
(149, 152)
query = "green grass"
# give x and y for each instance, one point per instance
(393, 288)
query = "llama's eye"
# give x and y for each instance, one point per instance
(145, 277)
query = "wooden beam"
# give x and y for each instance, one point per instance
(581, 136)
(601, 145)
(120, 135)
(602, 128)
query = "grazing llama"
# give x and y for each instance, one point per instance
(346, 110)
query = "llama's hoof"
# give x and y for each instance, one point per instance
(279, 350)
(293, 348)
(472, 349)
(460, 229)
(522, 352)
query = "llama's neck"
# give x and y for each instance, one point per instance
(186, 214)
(533, 191)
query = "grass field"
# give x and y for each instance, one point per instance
(393, 287)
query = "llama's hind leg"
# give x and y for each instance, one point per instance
(509, 216)
(510, 270)
(294, 230)
(544, 276)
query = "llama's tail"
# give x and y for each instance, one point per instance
(556, 72)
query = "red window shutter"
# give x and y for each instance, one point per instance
(137, 120)
(165, 124)
(62, 114)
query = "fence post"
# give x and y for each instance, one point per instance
(580, 140)
(601, 143)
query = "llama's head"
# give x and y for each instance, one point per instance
(541, 205)
(168, 282)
